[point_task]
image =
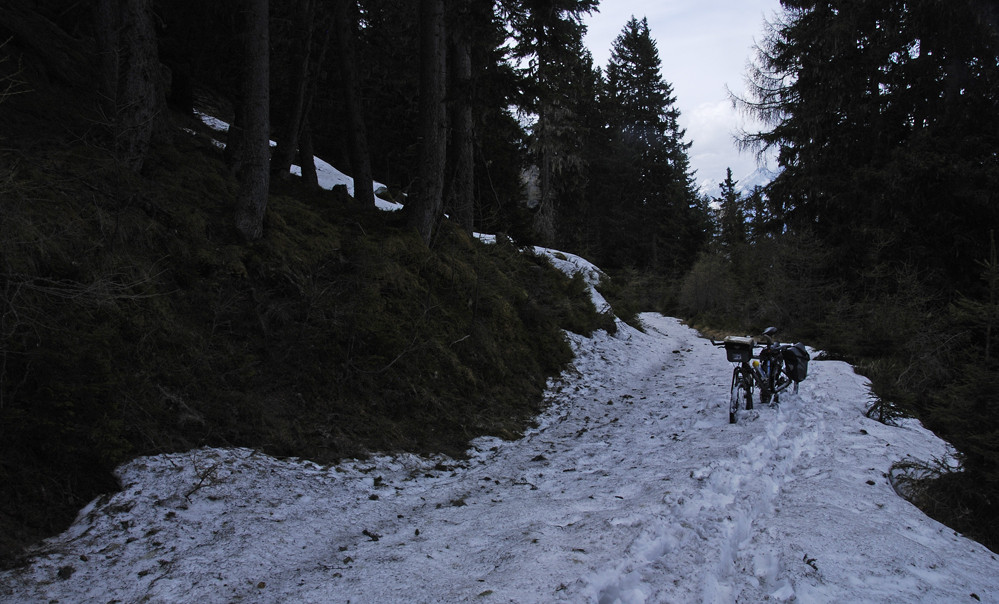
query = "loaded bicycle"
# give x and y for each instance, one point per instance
(776, 368)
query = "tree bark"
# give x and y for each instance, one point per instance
(235, 135)
(360, 160)
(306, 150)
(307, 158)
(462, 189)
(425, 209)
(254, 173)
(544, 217)
(287, 142)
(131, 76)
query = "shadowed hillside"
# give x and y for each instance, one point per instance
(135, 320)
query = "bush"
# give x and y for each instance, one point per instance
(709, 290)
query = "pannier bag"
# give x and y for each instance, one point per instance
(739, 349)
(796, 362)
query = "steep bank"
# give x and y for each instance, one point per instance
(135, 322)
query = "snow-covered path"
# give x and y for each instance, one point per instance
(633, 488)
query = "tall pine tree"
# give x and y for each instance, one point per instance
(548, 42)
(732, 231)
(654, 220)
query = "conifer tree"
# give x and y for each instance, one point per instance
(758, 216)
(293, 93)
(883, 115)
(964, 409)
(733, 220)
(425, 210)
(548, 36)
(461, 147)
(659, 207)
(133, 99)
(344, 21)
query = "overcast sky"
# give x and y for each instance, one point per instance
(704, 46)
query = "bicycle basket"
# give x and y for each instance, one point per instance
(739, 349)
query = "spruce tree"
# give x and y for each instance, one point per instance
(548, 41)
(344, 21)
(732, 217)
(132, 97)
(658, 208)
(254, 171)
(884, 118)
(426, 208)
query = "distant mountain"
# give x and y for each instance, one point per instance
(758, 177)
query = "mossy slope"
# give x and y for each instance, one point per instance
(135, 322)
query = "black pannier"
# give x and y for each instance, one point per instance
(796, 362)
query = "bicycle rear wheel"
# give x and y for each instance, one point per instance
(765, 396)
(767, 386)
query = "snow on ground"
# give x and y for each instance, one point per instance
(632, 488)
(572, 264)
(328, 176)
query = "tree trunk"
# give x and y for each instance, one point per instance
(360, 160)
(306, 150)
(462, 189)
(544, 216)
(287, 143)
(425, 209)
(254, 175)
(234, 137)
(131, 77)
(307, 157)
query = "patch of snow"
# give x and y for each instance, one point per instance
(572, 264)
(212, 122)
(328, 176)
(632, 488)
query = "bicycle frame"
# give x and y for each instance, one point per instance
(769, 374)
(764, 371)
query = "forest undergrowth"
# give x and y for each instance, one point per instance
(135, 321)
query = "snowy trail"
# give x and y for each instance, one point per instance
(633, 488)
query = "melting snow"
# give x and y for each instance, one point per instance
(633, 488)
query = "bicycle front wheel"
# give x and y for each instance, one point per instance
(740, 392)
